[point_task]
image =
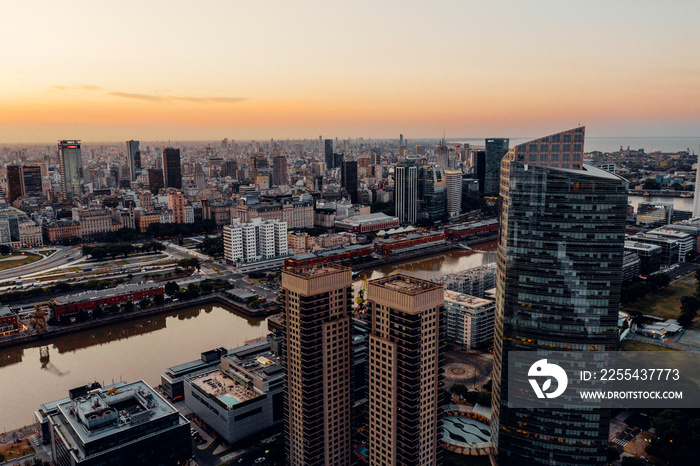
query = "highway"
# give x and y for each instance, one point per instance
(62, 256)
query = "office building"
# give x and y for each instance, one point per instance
(328, 153)
(155, 180)
(406, 192)
(133, 159)
(317, 358)
(443, 156)
(649, 256)
(631, 265)
(14, 183)
(654, 214)
(480, 169)
(686, 242)
(405, 354)
(696, 199)
(279, 171)
(242, 397)
(469, 319)
(125, 423)
(432, 193)
(474, 282)
(670, 246)
(560, 254)
(172, 170)
(173, 379)
(71, 161)
(348, 180)
(496, 148)
(453, 191)
(31, 181)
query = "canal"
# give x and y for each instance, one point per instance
(142, 349)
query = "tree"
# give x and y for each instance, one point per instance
(129, 306)
(144, 303)
(158, 299)
(690, 306)
(171, 288)
(98, 313)
(459, 390)
(651, 184)
(678, 435)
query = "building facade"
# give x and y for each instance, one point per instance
(405, 345)
(453, 186)
(496, 148)
(71, 161)
(560, 252)
(317, 358)
(406, 192)
(469, 319)
(255, 241)
(172, 169)
(133, 159)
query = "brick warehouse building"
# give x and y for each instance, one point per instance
(86, 301)
(9, 322)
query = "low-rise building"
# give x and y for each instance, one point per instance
(126, 423)
(58, 231)
(9, 322)
(409, 242)
(367, 223)
(94, 223)
(686, 242)
(243, 397)
(631, 265)
(341, 254)
(669, 246)
(470, 320)
(650, 256)
(70, 305)
(173, 379)
(30, 235)
(144, 218)
(472, 230)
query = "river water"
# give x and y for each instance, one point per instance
(145, 348)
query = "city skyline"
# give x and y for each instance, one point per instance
(296, 71)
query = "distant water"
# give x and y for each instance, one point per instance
(649, 144)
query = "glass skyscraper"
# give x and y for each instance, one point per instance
(172, 170)
(432, 192)
(560, 250)
(133, 159)
(406, 192)
(496, 148)
(71, 160)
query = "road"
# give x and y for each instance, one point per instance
(62, 256)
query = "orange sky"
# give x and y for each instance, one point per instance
(246, 70)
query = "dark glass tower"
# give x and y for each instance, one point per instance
(496, 148)
(406, 192)
(31, 181)
(432, 192)
(155, 180)
(14, 183)
(348, 177)
(172, 171)
(328, 152)
(71, 160)
(560, 249)
(133, 159)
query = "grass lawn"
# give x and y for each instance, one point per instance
(16, 450)
(16, 259)
(630, 345)
(664, 303)
(455, 459)
(47, 252)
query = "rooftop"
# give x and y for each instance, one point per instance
(226, 390)
(101, 294)
(256, 360)
(317, 270)
(104, 412)
(405, 284)
(465, 300)
(5, 311)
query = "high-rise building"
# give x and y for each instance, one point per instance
(480, 168)
(405, 353)
(254, 241)
(261, 166)
(496, 148)
(453, 185)
(560, 253)
(279, 171)
(133, 159)
(328, 152)
(176, 203)
(432, 192)
(696, 199)
(14, 183)
(406, 192)
(71, 160)
(126, 423)
(443, 155)
(348, 178)
(172, 170)
(155, 180)
(31, 181)
(317, 356)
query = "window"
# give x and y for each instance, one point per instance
(554, 157)
(533, 148)
(544, 147)
(567, 138)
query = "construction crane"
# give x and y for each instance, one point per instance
(361, 309)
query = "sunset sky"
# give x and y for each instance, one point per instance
(98, 70)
